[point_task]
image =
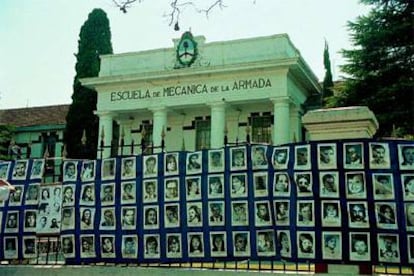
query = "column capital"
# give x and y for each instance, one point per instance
(217, 104)
(104, 113)
(284, 100)
(158, 109)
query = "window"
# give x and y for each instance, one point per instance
(261, 128)
(203, 130)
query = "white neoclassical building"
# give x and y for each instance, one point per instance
(195, 92)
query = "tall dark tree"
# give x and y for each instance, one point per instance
(381, 66)
(327, 81)
(94, 40)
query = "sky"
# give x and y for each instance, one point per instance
(39, 38)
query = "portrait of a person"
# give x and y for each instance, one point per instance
(265, 244)
(193, 188)
(150, 193)
(171, 215)
(171, 192)
(67, 243)
(327, 156)
(355, 183)
(173, 245)
(128, 217)
(388, 248)
(151, 217)
(16, 197)
(238, 158)
(68, 195)
(10, 248)
(218, 244)
(108, 168)
(302, 157)
(30, 221)
(239, 213)
(306, 244)
(129, 246)
(353, 156)
(284, 244)
(331, 215)
(87, 246)
(259, 159)
(194, 163)
(88, 195)
(68, 219)
(332, 249)
(216, 213)
(409, 215)
(150, 165)
(20, 169)
(128, 168)
(108, 246)
(359, 245)
(305, 213)
(151, 246)
(88, 171)
(383, 186)
(12, 220)
(195, 245)
(406, 156)
(408, 182)
(379, 156)
(238, 185)
(128, 192)
(37, 168)
(215, 186)
(260, 184)
(194, 215)
(358, 214)
(328, 184)
(385, 215)
(32, 194)
(281, 184)
(70, 171)
(107, 194)
(171, 163)
(282, 212)
(262, 217)
(107, 218)
(280, 157)
(87, 218)
(304, 184)
(216, 160)
(241, 244)
(4, 170)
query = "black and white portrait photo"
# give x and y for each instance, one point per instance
(383, 186)
(215, 186)
(327, 156)
(171, 189)
(128, 168)
(68, 245)
(108, 169)
(30, 218)
(388, 248)
(150, 191)
(172, 215)
(238, 185)
(331, 213)
(44, 194)
(151, 217)
(4, 170)
(302, 157)
(355, 185)
(171, 163)
(193, 187)
(265, 243)
(379, 156)
(329, 184)
(32, 194)
(20, 170)
(305, 213)
(281, 184)
(410, 248)
(407, 181)
(128, 191)
(358, 214)
(107, 194)
(195, 245)
(406, 156)
(218, 244)
(239, 213)
(238, 158)
(150, 165)
(15, 199)
(107, 246)
(108, 219)
(216, 160)
(174, 246)
(70, 170)
(282, 212)
(280, 158)
(216, 213)
(37, 170)
(386, 215)
(68, 218)
(87, 246)
(260, 184)
(259, 159)
(12, 222)
(262, 213)
(194, 214)
(10, 248)
(359, 246)
(306, 244)
(151, 246)
(129, 246)
(128, 217)
(284, 244)
(87, 194)
(88, 170)
(409, 215)
(241, 243)
(194, 162)
(304, 184)
(332, 245)
(353, 156)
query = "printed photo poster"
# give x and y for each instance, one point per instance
(15, 199)
(4, 170)
(327, 156)
(68, 245)
(410, 248)
(128, 168)
(282, 212)
(383, 186)
(408, 183)
(128, 192)
(87, 244)
(171, 189)
(388, 248)
(151, 217)
(353, 156)
(260, 183)
(216, 160)
(195, 245)
(172, 215)
(280, 158)
(29, 247)
(20, 170)
(68, 218)
(386, 215)
(88, 170)
(379, 156)
(304, 184)
(87, 194)
(87, 218)
(358, 214)
(129, 217)
(150, 163)
(241, 244)
(107, 196)
(174, 245)
(108, 169)
(194, 162)
(12, 222)
(193, 187)
(152, 246)
(38, 166)
(218, 244)
(194, 214)
(332, 246)
(32, 194)
(331, 213)
(171, 164)
(215, 186)
(302, 157)
(329, 184)
(238, 185)
(30, 220)
(108, 219)
(259, 159)
(70, 171)
(406, 156)
(68, 198)
(359, 246)
(129, 246)
(285, 244)
(305, 213)
(262, 213)
(306, 244)
(10, 247)
(265, 243)
(239, 213)
(281, 184)
(409, 215)
(238, 158)
(48, 218)
(216, 213)
(355, 185)
(150, 191)
(107, 246)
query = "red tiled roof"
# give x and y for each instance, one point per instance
(34, 116)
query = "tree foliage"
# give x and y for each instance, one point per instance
(94, 40)
(327, 81)
(6, 134)
(381, 66)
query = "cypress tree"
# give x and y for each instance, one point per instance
(327, 81)
(94, 40)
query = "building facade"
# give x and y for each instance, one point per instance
(195, 93)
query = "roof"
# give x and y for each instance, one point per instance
(34, 116)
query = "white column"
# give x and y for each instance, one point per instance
(159, 124)
(105, 127)
(295, 121)
(281, 123)
(218, 120)
(125, 128)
